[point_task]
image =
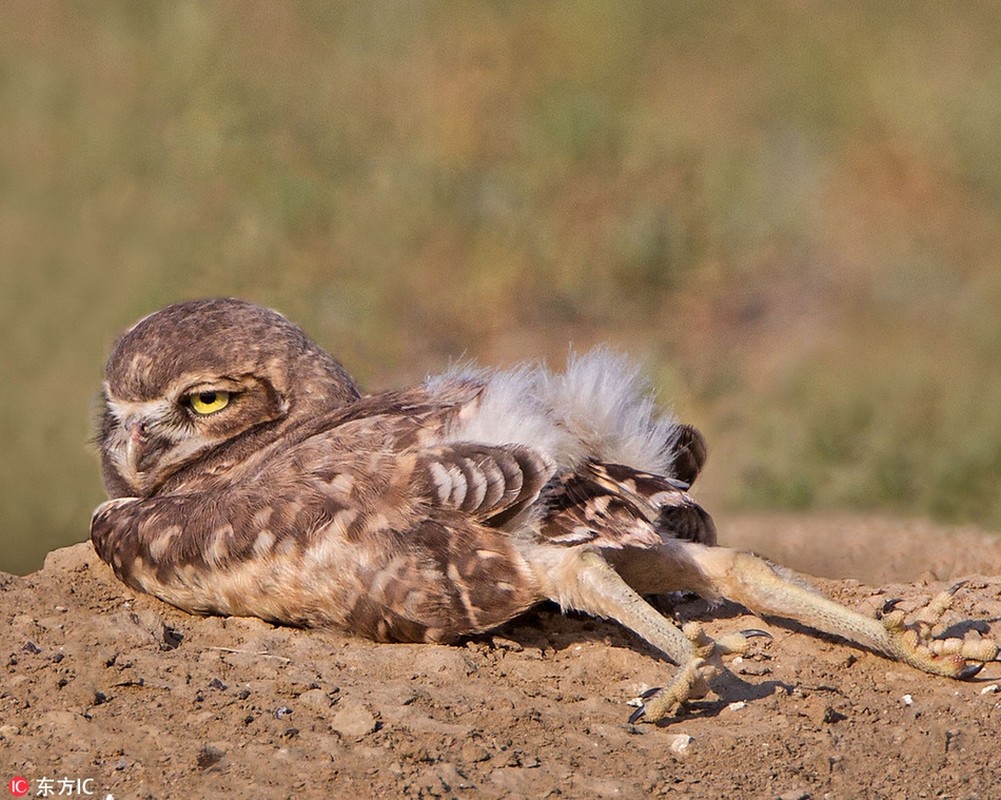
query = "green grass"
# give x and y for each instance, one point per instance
(789, 210)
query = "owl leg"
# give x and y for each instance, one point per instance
(599, 590)
(752, 582)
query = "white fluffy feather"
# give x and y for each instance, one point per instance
(601, 407)
(512, 410)
(608, 404)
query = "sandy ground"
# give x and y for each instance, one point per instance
(140, 700)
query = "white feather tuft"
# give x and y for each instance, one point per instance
(607, 404)
(511, 410)
(600, 407)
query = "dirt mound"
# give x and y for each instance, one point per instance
(134, 699)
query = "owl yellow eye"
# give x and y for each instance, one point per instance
(208, 402)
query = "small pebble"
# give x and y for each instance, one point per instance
(680, 742)
(209, 756)
(736, 706)
(506, 644)
(754, 669)
(907, 700)
(644, 693)
(353, 721)
(474, 753)
(992, 689)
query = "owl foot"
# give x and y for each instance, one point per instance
(694, 679)
(914, 642)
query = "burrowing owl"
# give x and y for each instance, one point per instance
(250, 476)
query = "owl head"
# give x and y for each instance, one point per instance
(198, 375)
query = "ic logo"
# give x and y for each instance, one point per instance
(18, 786)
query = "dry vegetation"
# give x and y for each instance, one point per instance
(790, 211)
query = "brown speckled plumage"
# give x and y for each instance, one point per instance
(249, 476)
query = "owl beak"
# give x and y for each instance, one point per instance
(137, 431)
(138, 435)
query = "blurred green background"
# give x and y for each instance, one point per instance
(790, 211)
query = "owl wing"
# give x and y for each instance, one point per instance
(366, 526)
(344, 528)
(491, 484)
(615, 506)
(611, 505)
(690, 453)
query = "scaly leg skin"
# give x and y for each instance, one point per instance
(718, 572)
(752, 582)
(695, 678)
(601, 591)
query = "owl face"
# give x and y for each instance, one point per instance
(147, 440)
(197, 375)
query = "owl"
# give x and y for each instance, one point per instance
(249, 475)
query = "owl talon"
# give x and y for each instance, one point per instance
(970, 671)
(738, 643)
(889, 606)
(691, 683)
(694, 680)
(914, 643)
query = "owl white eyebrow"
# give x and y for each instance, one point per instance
(129, 409)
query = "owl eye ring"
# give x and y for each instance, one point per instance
(208, 402)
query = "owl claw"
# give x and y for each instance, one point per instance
(690, 683)
(694, 680)
(914, 643)
(970, 671)
(888, 606)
